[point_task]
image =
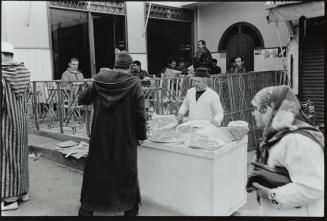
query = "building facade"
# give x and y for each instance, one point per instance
(47, 34)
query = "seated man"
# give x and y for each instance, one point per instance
(181, 67)
(238, 66)
(201, 102)
(172, 65)
(215, 69)
(72, 73)
(141, 74)
(137, 71)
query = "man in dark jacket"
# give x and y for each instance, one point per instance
(203, 56)
(215, 69)
(110, 180)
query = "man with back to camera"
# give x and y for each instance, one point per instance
(15, 79)
(110, 179)
(201, 102)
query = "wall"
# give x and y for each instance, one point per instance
(215, 18)
(135, 31)
(25, 25)
(293, 49)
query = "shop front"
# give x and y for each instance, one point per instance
(89, 31)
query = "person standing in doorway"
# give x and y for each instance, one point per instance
(110, 180)
(15, 81)
(238, 65)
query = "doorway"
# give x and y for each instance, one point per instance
(239, 40)
(69, 31)
(108, 34)
(241, 45)
(72, 33)
(167, 40)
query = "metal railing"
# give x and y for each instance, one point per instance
(55, 102)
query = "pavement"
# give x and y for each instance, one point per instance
(55, 185)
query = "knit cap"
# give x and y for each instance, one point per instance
(123, 60)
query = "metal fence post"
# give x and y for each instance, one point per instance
(35, 108)
(60, 105)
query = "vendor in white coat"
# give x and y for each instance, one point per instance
(201, 102)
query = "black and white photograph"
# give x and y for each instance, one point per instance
(162, 109)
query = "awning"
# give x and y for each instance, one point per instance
(294, 11)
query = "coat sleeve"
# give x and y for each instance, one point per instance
(88, 95)
(185, 105)
(217, 109)
(304, 160)
(140, 114)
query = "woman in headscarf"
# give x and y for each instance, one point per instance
(294, 145)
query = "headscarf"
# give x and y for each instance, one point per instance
(17, 76)
(285, 118)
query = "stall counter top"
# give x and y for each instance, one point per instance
(183, 149)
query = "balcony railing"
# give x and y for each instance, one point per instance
(53, 104)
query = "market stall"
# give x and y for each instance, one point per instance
(193, 180)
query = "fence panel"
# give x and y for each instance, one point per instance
(55, 102)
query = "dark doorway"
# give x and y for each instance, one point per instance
(166, 40)
(70, 38)
(108, 34)
(69, 31)
(240, 45)
(240, 39)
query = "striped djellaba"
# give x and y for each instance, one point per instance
(14, 147)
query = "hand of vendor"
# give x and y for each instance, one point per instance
(179, 118)
(215, 122)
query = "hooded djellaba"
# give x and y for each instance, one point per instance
(110, 179)
(15, 80)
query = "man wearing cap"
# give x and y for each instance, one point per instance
(201, 102)
(110, 180)
(15, 79)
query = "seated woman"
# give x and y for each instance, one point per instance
(292, 144)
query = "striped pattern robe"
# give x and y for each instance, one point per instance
(14, 147)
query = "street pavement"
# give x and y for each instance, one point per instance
(55, 191)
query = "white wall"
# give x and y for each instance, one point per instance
(25, 25)
(135, 31)
(215, 18)
(293, 49)
(221, 60)
(38, 62)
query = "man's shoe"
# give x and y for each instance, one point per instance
(84, 212)
(132, 212)
(9, 206)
